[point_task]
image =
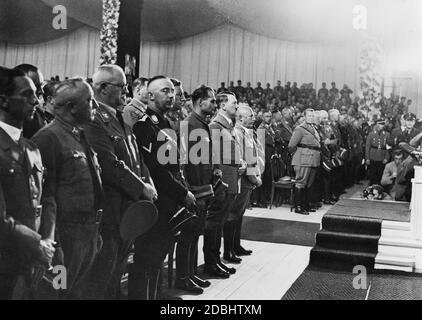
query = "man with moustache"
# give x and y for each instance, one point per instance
(26, 242)
(135, 110)
(152, 247)
(197, 175)
(73, 190)
(226, 157)
(125, 177)
(175, 115)
(249, 180)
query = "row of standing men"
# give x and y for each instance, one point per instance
(63, 193)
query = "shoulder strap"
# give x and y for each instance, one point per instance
(317, 139)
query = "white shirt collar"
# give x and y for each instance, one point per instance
(230, 121)
(12, 131)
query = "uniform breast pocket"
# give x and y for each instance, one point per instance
(118, 143)
(75, 164)
(306, 157)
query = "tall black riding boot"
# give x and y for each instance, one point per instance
(238, 249)
(306, 202)
(153, 284)
(299, 202)
(138, 285)
(228, 233)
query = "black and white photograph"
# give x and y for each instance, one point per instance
(223, 153)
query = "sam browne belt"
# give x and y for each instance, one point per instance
(300, 145)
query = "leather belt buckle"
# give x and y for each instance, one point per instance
(38, 211)
(98, 216)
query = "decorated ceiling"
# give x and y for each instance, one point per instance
(30, 21)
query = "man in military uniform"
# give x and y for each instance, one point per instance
(249, 180)
(222, 88)
(333, 92)
(249, 92)
(283, 133)
(405, 133)
(268, 92)
(226, 156)
(278, 91)
(175, 115)
(30, 127)
(258, 91)
(73, 190)
(197, 175)
(306, 146)
(231, 87)
(135, 110)
(269, 152)
(323, 92)
(154, 135)
(125, 179)
(239, 90)
(185, 253)
(26, 237)
(337, 184)
(376, 153)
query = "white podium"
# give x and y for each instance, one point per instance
(400, 245)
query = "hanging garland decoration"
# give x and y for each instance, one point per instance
(108, 34)
(371, 65)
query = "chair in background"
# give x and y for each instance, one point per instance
(279, 181)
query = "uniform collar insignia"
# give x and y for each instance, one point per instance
(75, 131)
(154, 119)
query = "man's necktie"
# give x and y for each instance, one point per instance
(119, 116)
(94, 173)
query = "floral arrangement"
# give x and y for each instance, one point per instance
(108, 34)
(370, 66)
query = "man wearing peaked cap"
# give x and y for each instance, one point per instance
(404, 133)
(376, 152)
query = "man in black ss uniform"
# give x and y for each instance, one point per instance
(156, 142)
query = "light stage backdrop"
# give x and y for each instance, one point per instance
(223, 54)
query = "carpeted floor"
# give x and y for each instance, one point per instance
(396, 286)
(372, 209)
(279, 231)
(324, 284)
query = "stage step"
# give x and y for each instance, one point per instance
(347, 241)
(340, 259)
(393, 268)
(400, 242)
(355, 225)
(397, 262)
